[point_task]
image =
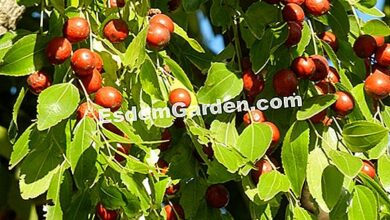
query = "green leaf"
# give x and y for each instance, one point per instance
(56, 103)
(338, 20)
(305, 39)
(53, 193)
(379, 149)
(317, 163)
(383, 171)
(192, 5)
(230, 158)
(362, 100)
(295, 155)
(160, 188)
(79, 207)
(376, 27)
(367, 3)
(361, 136)
(225, 133)
(135, 53)
(217, 173)
(87, 170)
(43, 162)
(302, 214)
(376, 188)
(346, 163)
(315, 105)
(21, 147)
(178, 73)
(111, 196)
(192, 193)
(332, 184)
(363, 204)
(83, 134)
(59, 5)
(26, 56)
(221, 84)
(260, 14)
(271, 184)
(193, 43)
(262, 50)
(134, 184)
(15, 109)
(149, 80)
(221, 14)
(254, 141)
(370, 11)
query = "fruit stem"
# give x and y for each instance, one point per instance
(313, 37)
(318, 135)
(237, 42)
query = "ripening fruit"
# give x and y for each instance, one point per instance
(83, 62)
(368, 169)
(162, 166)
(285, 82)
(331, 39)
(172, 210)
(117, 3)
(322, 68)
(38, 81)
(317, 7)
(333, 76)
(364, 46)
(92, 83)
(166, 136)
(298, 2)
(275, 133)
(208, 150)
(293, 12)
(304, 67)
(344, 103)
(263, 166)
(87, 109)
(253, 84)
(76, 29)
(123, 148)
(164, 20)
(58, 50)
(116, 31)
(98, 62)
(158, 36)
(382, 55)
(255, 116)
(377, 85)
(217, 196)
(321, 117)
(180, 95)
(324, 87)
(172, 189)
(109, 97)
(294, 33)
(380, 40)
(105, 214)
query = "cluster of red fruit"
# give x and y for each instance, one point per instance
(159, 33)
(377, 83)
(294, 14)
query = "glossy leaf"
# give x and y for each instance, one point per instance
(271, 184)
(315, 105)
(221, 84)
(383, 171)
(346, 163)
(295, 155)
(254, 141)
(361, 136)
(26, 56)
(56, 103)
(363, 204)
